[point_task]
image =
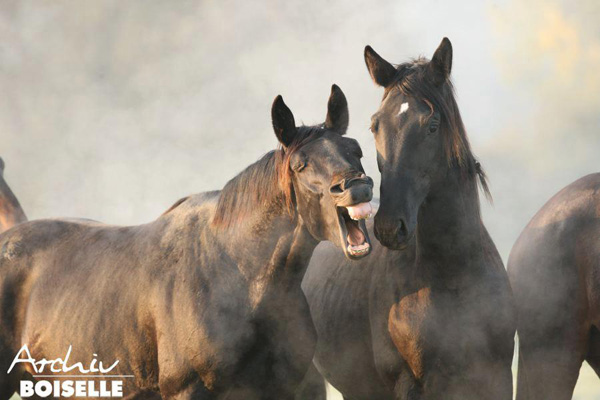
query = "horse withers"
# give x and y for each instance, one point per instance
(429, 315)
(205, 302)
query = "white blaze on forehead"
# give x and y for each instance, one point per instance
(403, 108)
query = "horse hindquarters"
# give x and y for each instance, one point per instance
(553, 327)
(8, 383)
(15, 284)
(553, 268)
(549, 366)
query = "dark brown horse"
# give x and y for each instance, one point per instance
(11, 212)
(430, 315)
(554, 269)
(205, 302)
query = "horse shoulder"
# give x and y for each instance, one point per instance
(202, 310)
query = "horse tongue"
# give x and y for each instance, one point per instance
(355, 235)
(360, 211)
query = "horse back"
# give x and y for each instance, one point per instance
(554, 266)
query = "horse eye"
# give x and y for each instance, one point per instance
(374, 125)
(434, 125)
(299, 166)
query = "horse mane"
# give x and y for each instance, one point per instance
(266, 182)
(412, 80)
(176, 204)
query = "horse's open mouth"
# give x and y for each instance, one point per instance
(353, 229)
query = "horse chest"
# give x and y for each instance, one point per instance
(406, 325)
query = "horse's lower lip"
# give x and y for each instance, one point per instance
(400, 245)
(354, 236)
(361, 249)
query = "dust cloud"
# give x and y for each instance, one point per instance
(113, 110)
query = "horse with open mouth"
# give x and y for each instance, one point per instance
(205, 302)
(11, 213)
(429, 315)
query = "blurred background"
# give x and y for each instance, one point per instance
(113, 110)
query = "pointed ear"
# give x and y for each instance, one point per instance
(337, 111)
(381, 71)
(441, 63)
(283, 122)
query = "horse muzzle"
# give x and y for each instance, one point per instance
(392, 233)
(352, 193)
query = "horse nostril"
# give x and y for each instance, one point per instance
(391, 232)
(401, 230)
(336, 189)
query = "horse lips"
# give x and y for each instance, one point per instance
(360, 211)
(357, 243)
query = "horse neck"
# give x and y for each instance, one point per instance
(272, 248)
(11, 212)
(450, 234)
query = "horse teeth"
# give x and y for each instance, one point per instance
(359, 249)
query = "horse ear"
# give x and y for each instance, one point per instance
(441, 63)
(1, 166)
(283, 122)
(381, 71)
(337, 111)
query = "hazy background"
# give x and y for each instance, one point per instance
(112, 110)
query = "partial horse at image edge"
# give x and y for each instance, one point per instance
(554, 269)
(11, 212)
